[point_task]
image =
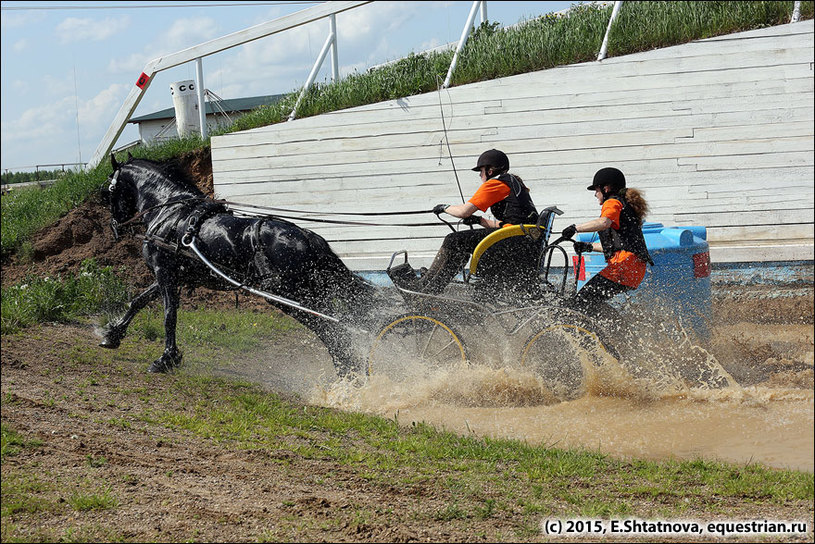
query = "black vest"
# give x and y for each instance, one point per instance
(629, 237)
(517, 208)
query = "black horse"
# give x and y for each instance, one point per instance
(184, 229)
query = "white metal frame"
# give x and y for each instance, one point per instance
(203, 50)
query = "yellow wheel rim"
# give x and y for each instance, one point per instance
(577, 328)
(432, 339)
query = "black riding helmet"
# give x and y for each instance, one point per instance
(608, 176)
(493, 157)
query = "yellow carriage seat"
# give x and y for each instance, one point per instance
(539, 232)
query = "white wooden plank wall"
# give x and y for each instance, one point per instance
(717, 133)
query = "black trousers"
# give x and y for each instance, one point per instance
(593, 297)
(599, 289)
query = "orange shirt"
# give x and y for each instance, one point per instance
(490, 192)
(623, 267)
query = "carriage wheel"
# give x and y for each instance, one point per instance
(415, 345)
(559, 353)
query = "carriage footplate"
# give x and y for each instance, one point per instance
(404, 276)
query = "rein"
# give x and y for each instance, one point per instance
(335, 221)
(145, 211)
(142, 213)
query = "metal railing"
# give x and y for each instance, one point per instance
(327, 9)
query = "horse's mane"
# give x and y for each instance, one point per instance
(171, 169)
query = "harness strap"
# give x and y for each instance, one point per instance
(269, 296)
(201, 214)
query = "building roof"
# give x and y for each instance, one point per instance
(230, 105)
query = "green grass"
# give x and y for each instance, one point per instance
(93, 289)
(238, 332)
(490, 53)
(12, 443)
(84, 502)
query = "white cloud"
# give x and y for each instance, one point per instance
(98, 112)
(39, 121)
(184, 33)
(45, 134)
(377, 18)
(74, 29)
(17, 19)
(180, 35)
(131, 64)
(20, 45)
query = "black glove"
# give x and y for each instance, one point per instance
(438, 209)
(583, 247)
(569, 232)
(472, 220)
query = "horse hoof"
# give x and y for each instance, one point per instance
(163, 364)
(109, 344)
(111, 338)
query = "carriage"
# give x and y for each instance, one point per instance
(481, 317)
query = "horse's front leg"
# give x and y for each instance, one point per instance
(171, 357)
(114, 332)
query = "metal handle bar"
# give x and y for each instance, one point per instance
(189, 241)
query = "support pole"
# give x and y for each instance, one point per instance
(125, 111)
(796, 12)
(604, 47)
(199, 88)
(335, 65)
(313, 75)
(461, 42)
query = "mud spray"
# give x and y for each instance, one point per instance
(670, 402)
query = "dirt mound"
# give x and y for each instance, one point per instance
(83, 233)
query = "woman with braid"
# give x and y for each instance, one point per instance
(621, 239)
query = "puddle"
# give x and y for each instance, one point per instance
(656, 415)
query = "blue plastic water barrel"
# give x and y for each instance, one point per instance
(679, 279)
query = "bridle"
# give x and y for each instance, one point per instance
(114, 225)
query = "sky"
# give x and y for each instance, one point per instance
(68, 65)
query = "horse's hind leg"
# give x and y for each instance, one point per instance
(172, 356)
(114, 332)
(336, 340)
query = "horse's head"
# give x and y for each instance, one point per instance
(119, 194)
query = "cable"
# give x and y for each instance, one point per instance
(447, 140)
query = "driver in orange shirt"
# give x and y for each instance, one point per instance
(507, 198)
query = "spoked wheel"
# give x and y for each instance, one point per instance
(415, 345)
(561, 353)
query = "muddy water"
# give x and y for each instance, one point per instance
(764, 414)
